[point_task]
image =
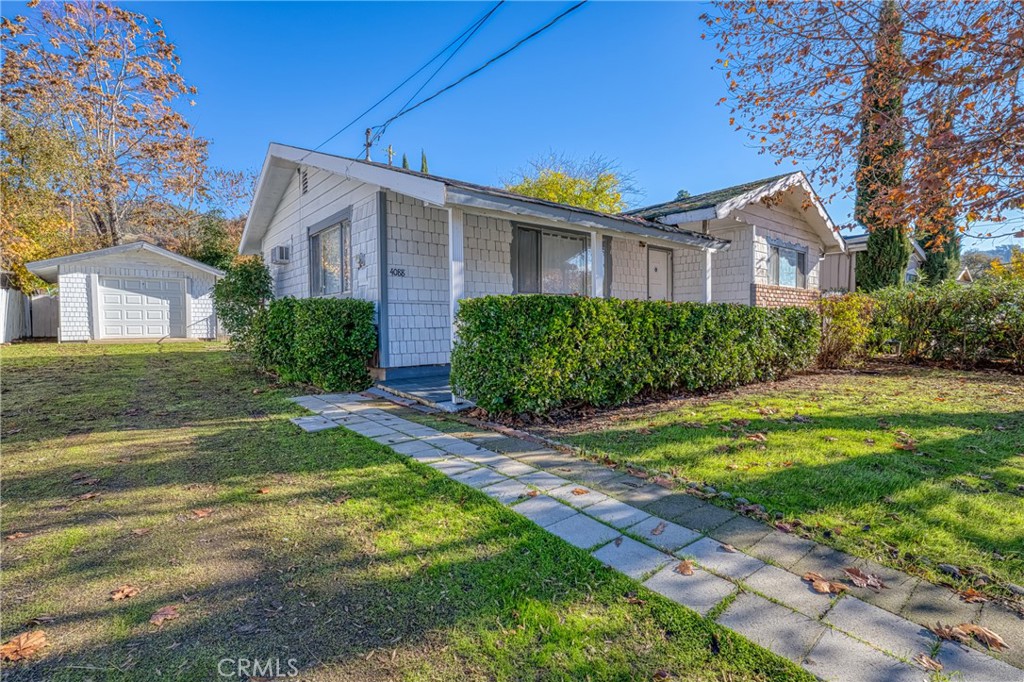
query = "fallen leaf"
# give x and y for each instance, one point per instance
(79, 476)
(985, 636)
(822, 585)
(685, 567)
(758, 437)
(927, 662)
(663, 481)
(342, 498)
(729, 548)
(580, 491)
(86, 481)
(87, 496)
(869, 441)
(831, 439)
(638, 473)
(201, 513)
(23, 646)
(533, 493)
(784, 527)
(618, 541)
(950, 632)
(263, 491)
(39, 620)
(660, 528)
(740, 422)
(17, 536)
(973, 596)
(800, 419)
(162, 614)
(124, 592)
(662, 675)
(633, 599)
(862, 579)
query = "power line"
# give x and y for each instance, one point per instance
(474, 26)
(486, 64)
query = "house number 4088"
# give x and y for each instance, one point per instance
(397, 272)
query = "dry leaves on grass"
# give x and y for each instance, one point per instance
(86, 481)
(87, 496)
(631, 598)
(162, 614)
(201, 513)
(17, 536)
(928, 663)
(141, 531)
(685, 567)
(985, 636)
(822, 585)
(342, 498)
(973, 596)
(784, 527)
(862, 579)
(263, 491)
(637, 473)
(758, 437)
(23, 646)
(124, 592)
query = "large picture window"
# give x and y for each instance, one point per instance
(552, 262)
(329, 252)
(787, 267)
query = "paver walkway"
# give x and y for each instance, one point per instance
(644, 531)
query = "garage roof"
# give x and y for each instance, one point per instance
(48, 270)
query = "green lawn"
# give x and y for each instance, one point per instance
(915, 467)
(326, 548)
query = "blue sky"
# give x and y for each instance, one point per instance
(631, 81)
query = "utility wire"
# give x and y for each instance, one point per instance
(454, 52)
(486, 64)
(474, 26)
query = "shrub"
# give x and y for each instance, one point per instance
(240, 295)
(845, 329)
(965, 325)
(323, 341)
(533, 353)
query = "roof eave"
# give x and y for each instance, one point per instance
(49, 269)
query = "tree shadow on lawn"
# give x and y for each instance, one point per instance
(965, 488)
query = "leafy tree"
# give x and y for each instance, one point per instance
(937, 229)
(880, 161)
(405, 162)
(423, 163)
(794, 69)
(241, 295)
(1011, 270)
(108, 78)
(215, 242)
(594, 182)
(682, 194)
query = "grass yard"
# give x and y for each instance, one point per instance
(325, 548)
(915, 467)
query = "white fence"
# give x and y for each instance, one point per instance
(27, 317)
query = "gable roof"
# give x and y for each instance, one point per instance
(48, 270)
(282, 161)
(721, 203)
(859, 242)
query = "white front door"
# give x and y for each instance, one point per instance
(659, 275)
(136, 308)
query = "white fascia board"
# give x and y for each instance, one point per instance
(567, 216)
(261, 189)
(49, 269)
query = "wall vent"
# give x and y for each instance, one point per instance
(305, 181)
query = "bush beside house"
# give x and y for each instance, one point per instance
(535, 353)
(845, 329)
(240, 295)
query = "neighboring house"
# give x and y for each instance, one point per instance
(965, 276)
(132, 291)
(839, 271)
(416, 244)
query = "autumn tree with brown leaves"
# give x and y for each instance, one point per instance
(106, 79)
(795, 72)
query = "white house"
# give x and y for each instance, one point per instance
(416, 244)
(839, 271)
(132, 291)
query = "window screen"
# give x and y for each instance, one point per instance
(552, 262)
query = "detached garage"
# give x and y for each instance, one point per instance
(132, 291)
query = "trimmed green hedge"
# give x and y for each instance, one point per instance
(535, 353)
(322, 341)
(964, 325)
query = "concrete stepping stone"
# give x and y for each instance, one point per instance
(631, 558)
(484, 457)
(543, 510)
(417, 430)
(785, 587)
(663, 534)
(343, 398)
(929, 603)
(414, 446)
(781, 549)
(615, 513)
(392, 438)
(371, 429)
(704, 517)
(313, 424)
(701, 591)
(311, 403)
(577, 499)
(435, 455)
(542, 480)
(479, 478)
(899, 587)
(879, 628)
(712, 555)
(461, 447)
(840, 658)
(1009, 626)
(452, 467)
(741, 532)
(582, 531)
(774, 627)
(511, 467)
(507, 491)
(961, 662)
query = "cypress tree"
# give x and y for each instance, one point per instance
(405, 162)
(880, 159)
(936, 229)
(423, 163)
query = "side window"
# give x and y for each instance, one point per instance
(552, 262)
(329, 255)
(787, 267)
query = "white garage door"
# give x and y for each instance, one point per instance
(132, 308)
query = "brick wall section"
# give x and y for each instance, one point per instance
(769, 296)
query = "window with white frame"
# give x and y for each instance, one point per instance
(551, 262)
(787, 267)
(330, 254)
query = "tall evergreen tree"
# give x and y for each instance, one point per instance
(937, 229)
(880, 162)
(423, 163)
(405, 162)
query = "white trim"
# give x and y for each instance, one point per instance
(706, 281)
(94, 304)
(41, 268)
(597, 266)
(456, 272)
(186, 284)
